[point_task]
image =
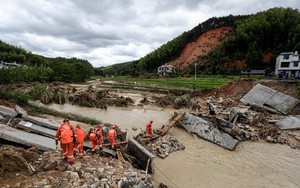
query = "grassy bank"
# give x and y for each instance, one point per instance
(184, 83)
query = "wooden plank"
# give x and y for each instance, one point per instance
(6, 111)
(166, 128)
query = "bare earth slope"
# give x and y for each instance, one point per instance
(202, 46)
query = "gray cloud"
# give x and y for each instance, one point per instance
(107, 32)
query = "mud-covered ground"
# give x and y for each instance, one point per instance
(259, 125)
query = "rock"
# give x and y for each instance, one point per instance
(65, 184)
(161, 185)
(90, 170)
(270, 139)
(77, 183)
(50, 165)
(87, 176)
(52, 181)
(100, 170)
(104, 180)
(62, 166)
(73, 177)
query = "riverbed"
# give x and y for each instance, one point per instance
(203, 164)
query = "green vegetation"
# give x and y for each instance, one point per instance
(184, 83)
(38, 68)
(269, 32)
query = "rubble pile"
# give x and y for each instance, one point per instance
(165, 145)
(49, 170)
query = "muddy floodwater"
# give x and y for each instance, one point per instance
(203, 164)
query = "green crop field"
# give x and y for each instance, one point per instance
(186, 83)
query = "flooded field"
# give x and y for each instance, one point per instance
(203, 164)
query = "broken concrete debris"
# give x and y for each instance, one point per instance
(165, 145)
(206, 130)
(27, 139)
(291, 122)
(262, 95)
(141, 154)
(52, 171)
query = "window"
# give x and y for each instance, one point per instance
(286, 56)
(296, 63)
(285, 64)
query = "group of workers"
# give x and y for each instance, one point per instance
(71, 138)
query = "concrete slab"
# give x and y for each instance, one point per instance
(262, 95)
(20, 111)
(282, 102)
(28, 126)
(42, 122)
(290, 122)
(258, 95)
(205, 129)
(141, 154)
(27, 139)
(6, 111)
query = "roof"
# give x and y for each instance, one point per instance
(167, 66)
(289, 53)
(253, 72)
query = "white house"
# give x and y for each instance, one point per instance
(165, 70)
(288, 62)
(6, 65)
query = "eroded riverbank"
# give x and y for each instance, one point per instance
(203, 164)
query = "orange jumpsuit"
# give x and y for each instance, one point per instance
(65, 134)
(149, 129)
(80, 136)
(93, 139)
(111, 136)
(100, 137)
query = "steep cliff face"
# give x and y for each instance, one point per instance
(202, 46)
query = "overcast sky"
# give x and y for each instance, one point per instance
(106, 32)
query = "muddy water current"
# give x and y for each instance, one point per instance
(202, 164)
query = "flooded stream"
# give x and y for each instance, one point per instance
(203, 164)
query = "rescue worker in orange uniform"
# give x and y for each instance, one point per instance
(80, 136)
(112, 135)
(99, 134)
(65, 134)
(149, 129)
(93, 138)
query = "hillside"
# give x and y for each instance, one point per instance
(226, 45)
(201, 47)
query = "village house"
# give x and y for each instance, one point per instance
(288, 63)
(6, 65)
(166, 70)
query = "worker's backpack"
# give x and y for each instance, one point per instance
(66, 134)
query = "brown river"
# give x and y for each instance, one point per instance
(203, 164)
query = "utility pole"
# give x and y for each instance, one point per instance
(195, 70)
